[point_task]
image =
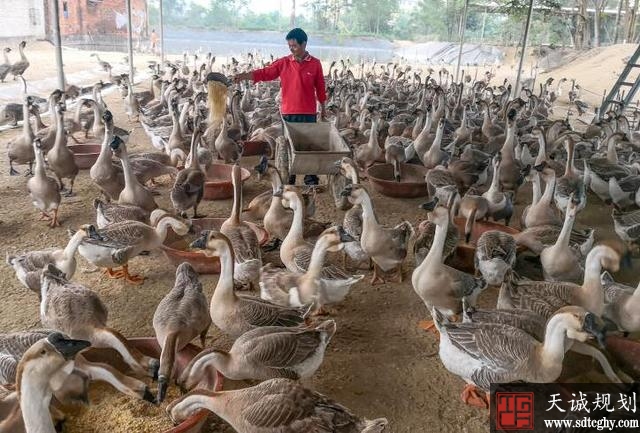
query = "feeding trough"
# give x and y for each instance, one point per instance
(85, 154)
(411, 185)
(176, 249)
(150, 347)
(255, 148)
(463, 258)
(218, 185)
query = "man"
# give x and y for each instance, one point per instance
(154, 41)
(301, 83)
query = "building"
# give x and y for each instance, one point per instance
(97, 18)
(23, 19)
(100, 24)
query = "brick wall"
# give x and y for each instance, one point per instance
(99, 18)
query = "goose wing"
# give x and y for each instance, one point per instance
(502, 349)
(119, 235)
(285, 348)
(258, 312)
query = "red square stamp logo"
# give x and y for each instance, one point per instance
(514, 410)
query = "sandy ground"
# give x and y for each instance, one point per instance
(378, 364)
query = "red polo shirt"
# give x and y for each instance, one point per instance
(301, 82)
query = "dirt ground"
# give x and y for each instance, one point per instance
(378, 364)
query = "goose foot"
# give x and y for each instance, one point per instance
(44, 217)
(13, 172)
(133, 279)
(322, 311)
(114, 275)
(473, 396)
(54, 220)
(376, 278)
(430, 326)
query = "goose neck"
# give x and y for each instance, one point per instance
(553, 348)
(40, 172)
(224, 288)
(72, 245)
(317, 259)
(35, 397)
(549, 189)
(565, 233)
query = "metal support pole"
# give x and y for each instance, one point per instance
(130, 28)
(161, 34)
(525, 39)
(57, 40)
(463, 26)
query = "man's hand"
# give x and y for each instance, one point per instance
(323, 113)
(242, 76)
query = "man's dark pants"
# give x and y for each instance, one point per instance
(309, 179)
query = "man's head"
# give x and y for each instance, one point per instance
(297, 40)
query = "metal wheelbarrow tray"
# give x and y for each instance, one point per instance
(310, 148)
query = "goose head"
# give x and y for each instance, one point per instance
(581, 325)
(117, 146)
(47, 358)
(213, 243)
(334, 238)
(290, 197)
(355, 192)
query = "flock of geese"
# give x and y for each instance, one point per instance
(478, 146)
(17, 68)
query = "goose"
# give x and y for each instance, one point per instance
(105, 66)
(277, 219)
(43, 370)
(368, 153)
(228, 149)
(44, 190)
(109, 213)
(562, 261)
(500, 203)
(495, 255)
(537, 238)
(438, 285)
(60, 158)
(243, 239)
(28, 266)
(18, 68)
(236, 314)
(599, 170)
(542, 210)
(117, 243)
(20, 148)
(79, 312)
(352, 221)
(570, 183)
(545, 297)
(627, 225)
(387, 247)
(485, 353)
(188, 187)
(264, 353)
(472, 207)
(133, 192)
(296, 289)
(5, 67)
(435, 155)
(535, 325)
(623, 192)
(398, 150)
(275, 405)
(295, 252)
(14, 345)
(427, 230)
(180, 316)
(622, 303)
(511, 170)
(108, 176)
(47, 135)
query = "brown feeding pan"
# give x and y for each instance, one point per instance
(176, 250)
(85, 155)
(411, 185)
(253, 148)
(626, 351)
(150, 347)
(218, 185)
(463, 258)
